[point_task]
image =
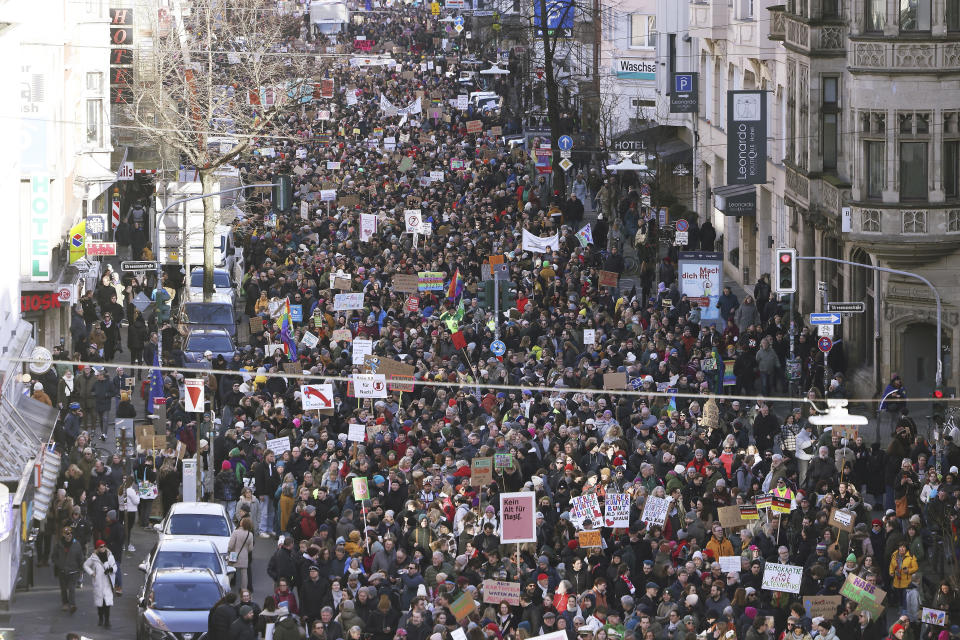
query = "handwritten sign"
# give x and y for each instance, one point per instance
(475, 126)
(589, 539)
(517, 513)
(782, 577)
(617, 380)
(256, 324)
(655, 511)
(430, 281)
(481, 472)
(842, 519)
(278, 445)
(585, 507)
(730, 517)
(730, 564)
(405, 283)
(463, 606)
(822, 606)
(608, 278)
(347, 301)
(859, 590)
(497, 591)
(616, 510)
(357, 433)
(341, 335)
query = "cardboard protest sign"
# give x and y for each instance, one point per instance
(518, 517)
(475, 126)
(343, 284)
(782, 577)
(608, 279)
(388, 366)
(615, 381)
(589, 539)
(616, 510)
(859, 590)
(823, 606)
(463, 606)
(655, 511)
(405, 283)
(497, 591)
(481, 472)
(144, 435)
(341, 335)
(399, 382)
(256, 324)
(842, 519)
(293, 368)
(730, 517)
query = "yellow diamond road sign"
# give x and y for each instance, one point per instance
(565, 164)
(458, 28)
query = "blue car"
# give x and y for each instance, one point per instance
(202, 346)
(175, 603)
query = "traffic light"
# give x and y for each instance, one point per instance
(785, 271)
(508, 296)
(282, 193)
(939, 405)
(485, 294)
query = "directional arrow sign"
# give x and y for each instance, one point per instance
(193, 400)
(824, 318)
(846, 307)
(316, 396)
(565, 143)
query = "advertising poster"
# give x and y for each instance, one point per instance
(701, 279)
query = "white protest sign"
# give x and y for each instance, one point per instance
(585, 507)
(462, 101)
(536, 244)
(328, 195)
(361, 347)
(357, 433)
(348, 301)
(782, 577)
(729, 564)
(333, 165)
(413, 220)
(589, 336)
(616, 510)
(309, 340)
(316, 396)
(436, 176)
(655, 510)
(370, 385)
(368, 226)
(304, 210)
(278, 445)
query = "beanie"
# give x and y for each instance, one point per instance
(851, 558)
(226, 466)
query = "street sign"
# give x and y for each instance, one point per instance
(141, 301)
(138, 265)
(499, 272)
(497, 348)
(458, 28)
(825, 330)
(825, 344)
(824, 318)
(682, 225)
(846, 307)
(458, 20)
(101, 248)
(681, 238)
(565, 143)
(565, 164)
(96, 223)
(565, 154)
(685, 97)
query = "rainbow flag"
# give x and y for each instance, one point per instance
(286, 331)
(455, 290)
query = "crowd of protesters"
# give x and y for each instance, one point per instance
(391, 567)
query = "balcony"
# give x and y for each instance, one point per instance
(805, 37)
(904, 56)
(906, 235)
(778, 21)
(797, 184)
(709, 19)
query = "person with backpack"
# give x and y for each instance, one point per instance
(226, 488)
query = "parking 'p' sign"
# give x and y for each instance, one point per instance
(685, 95)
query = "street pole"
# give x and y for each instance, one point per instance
(496, 303)
(156, 243)
(936, 295)
(826, 367)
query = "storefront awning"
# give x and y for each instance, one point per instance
(146, 160)
(736, 199)
(25, 425)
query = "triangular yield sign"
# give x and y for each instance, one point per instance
(195, 393)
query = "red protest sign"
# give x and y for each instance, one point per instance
(475, 126)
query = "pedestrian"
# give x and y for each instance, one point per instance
(239, 550)
(221, 617)
(67, 561)
(242, 628)
(226, 489)
(130, 507)
(115, 539)
(103, 568)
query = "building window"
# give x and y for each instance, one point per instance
(830, 8)
(914, 15)
(870, 220)
(94, 82)
(830, 114)
(914, 221)
(643, 30)
(876, 168)
(876, 13)
(953, 220)
(94, 122)
(913, 171)
(953, 15)
(951, 168)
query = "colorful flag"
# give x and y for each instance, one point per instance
(585, 235)
(156, 382)
(286, 331)
(78, 241)
(455, 290)
(458, 340)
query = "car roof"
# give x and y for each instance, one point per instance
(198, 507)
(208, 332)
(215, 270)
(196, 296)
(179, 574)
(178, 543)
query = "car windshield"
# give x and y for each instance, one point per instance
(185, 596)
(204, 313)
(220, 279)
(198, 524)
(187, 560)
(217, 343)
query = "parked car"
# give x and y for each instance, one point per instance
(197, 520)
(200, 341)
(174, 604)
(188, 553)
(222, 284)
(213, 312)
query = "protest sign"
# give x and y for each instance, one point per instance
(463, 606)
(362, 347)
(316, 396)
(497, 591)
(536, 244)
(481, 472)
(935, 617)
(256, 324)
(502, 461)
(430, 281)
(347, 301)
(405, 283)
(780, 505)
(341, 284)
(361, 489)
(309, 340)
(749, 512)
(517, 517)
(341, 335)
(585, 507)
(294, 368)
(842, 519)
(356, 433)
(764, 501)
(278, 445)
(399, 382)
(474, 126)
(730, 517)
(617, 380)
(730, 564)
(859, 590)
(782, 577)
(388, 366)
(589, 336)
(616, 510)
(822, 606)
(608, 279)
(370, 385)
(655, 510)
(588, 539)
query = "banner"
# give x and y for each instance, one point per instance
(859, 590)
(497, 591)
(616, 510)
(368, 226)
(78, 241)
(430, 281)
(746, 137)
(655, 510)
(347, 301)
(822, 606)
(782, 577)
(537, 244)
(518, 517)
(585, 507)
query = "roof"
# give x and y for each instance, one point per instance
(197, 297)
(184, 575)
(182, 543)
(198, 507)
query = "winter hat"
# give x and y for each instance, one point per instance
(112, 514)
(896, 627)
(245, 609)
(852, 558)
(750, 612)
(226, 466)
(100, 543)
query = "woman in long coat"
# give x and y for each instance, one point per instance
(102, 567)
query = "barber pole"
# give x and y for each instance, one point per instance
(115, 210)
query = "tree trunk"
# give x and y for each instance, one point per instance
(210, 219)
(553, 99)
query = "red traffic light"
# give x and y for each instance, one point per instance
(938, 394)
(785, 257)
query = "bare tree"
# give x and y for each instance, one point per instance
(227, 72)
(608, 108)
